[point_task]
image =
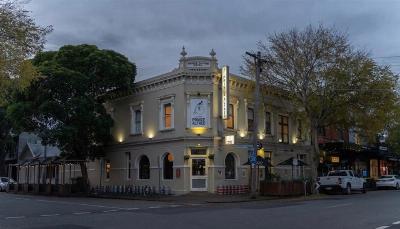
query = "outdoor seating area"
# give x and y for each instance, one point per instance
(51, 176)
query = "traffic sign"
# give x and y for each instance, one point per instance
(252, 156)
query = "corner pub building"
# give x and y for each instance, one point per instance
(170, 131)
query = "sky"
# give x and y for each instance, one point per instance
(151, 33)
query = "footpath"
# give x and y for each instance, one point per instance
(202, 198)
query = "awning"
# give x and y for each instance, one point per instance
(293, 162)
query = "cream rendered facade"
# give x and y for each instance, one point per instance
(158, 121)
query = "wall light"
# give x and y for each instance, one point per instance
(150, 135)
(199, 130)
(242, 133)
(261, 136)
(120, 138)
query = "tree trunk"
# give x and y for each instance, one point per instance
(85, 176)
(3, 172)
(315, 154)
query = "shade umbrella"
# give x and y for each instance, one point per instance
(293, 162)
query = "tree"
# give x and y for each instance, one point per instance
(20, 39)
(65, 105)
(328, 80)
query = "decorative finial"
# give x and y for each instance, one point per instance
(183, 53)
(212, 53)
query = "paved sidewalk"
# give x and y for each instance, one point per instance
(201, 198)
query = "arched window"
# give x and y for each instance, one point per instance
(230, 166)
(144, 168)
(168, 166)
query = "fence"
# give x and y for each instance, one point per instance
(131, 190)
(232, 189)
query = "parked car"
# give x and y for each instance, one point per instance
(4, 182)
(388, 181)
(342, 181)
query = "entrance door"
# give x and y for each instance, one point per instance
(199, 174)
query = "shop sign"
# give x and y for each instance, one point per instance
(225, 92)
(335, 159)
(199, 115)
(230, 140)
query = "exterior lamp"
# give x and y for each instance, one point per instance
(199, 130)
(261, 136)
(242, 133)
(151, 136)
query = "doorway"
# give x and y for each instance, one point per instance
(198, 181)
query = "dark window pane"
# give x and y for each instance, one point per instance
(230, 168)
(199, 151)
(168, 167)
(250, 119)
(283, 129)
(144, 168)
(268, 123)
(198, 167)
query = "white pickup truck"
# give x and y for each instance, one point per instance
(341, 180)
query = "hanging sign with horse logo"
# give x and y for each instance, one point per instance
(199, 112)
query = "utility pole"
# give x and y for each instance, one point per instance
(257, 63)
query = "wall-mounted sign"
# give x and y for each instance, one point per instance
(230, 140)
(199, 115)
(198, 64)
(225, 92)
(335, 159)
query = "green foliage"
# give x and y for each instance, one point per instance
(65, 104)
(20, 38)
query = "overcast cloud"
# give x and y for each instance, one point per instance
(151, 33)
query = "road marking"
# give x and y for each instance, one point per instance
(15, 217)
(395, 223)
(339, 205)
(195, 204)
(154, 207)
(382, 227)
(112, 210)
(174, 205)
(81, 213)
(132, 209)
(50, 215)
(101, 206)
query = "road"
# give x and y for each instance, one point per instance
(378, 209)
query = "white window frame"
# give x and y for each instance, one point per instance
(163, 102)
(134, 108)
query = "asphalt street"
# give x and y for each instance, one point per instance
(378, 209)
